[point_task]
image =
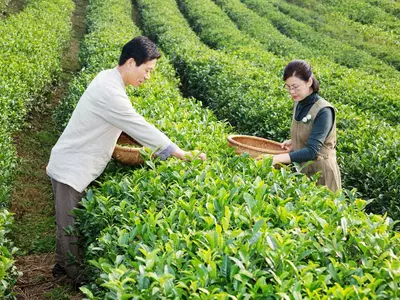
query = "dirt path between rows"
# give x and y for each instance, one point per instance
(11, 7)
(32, 199)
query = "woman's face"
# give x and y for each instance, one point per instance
(297, 88)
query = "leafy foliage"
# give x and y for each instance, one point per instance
(3, 5)
(227, 228)
(381, 44)
(8, 272)
(259, 110)
(362, 12)
(31, 43)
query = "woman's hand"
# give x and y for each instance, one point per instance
(276, 159)
(287, 145)
(281, 159)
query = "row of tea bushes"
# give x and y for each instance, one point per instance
(221, 232)
(31, 43)
(217, 79)
(381, 44)
(368, 160)
(362, 12)
(322, 44)
(226, 228)
(8, 272)
(392, 7)
(3, 5)
(216, 30)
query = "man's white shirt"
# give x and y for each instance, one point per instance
(87, 143)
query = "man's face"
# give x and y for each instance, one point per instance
(138, 75)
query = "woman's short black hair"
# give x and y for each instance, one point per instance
(302, 70)
(141, 49)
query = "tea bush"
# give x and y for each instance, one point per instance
(363, 157)
(229, 227)
(218, 31)
(31, 43)
(389, 6)
(361, 12)
(220, 231)
(381, 44)
(8, 272)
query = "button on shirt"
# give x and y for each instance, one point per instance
(87, 143)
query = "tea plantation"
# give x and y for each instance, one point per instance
(229, 227)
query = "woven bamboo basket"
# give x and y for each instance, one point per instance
(254, 146)
(126, 151)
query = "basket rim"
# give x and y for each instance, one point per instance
(231, 137)
(127, 148)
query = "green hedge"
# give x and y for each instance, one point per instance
(368, 147)
(8, 272)
(215, 29)
(31, 43)
(322, 44)
(389, 6)
(228, 228)
(364, 13)
(381, 44)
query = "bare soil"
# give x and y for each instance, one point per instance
(37, 281)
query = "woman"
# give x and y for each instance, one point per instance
(313, 130)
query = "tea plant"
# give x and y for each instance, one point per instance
(362, 12)
(251, 116)
(381, 44)
(31, 43)
(8, 272)
(389, 6)
(218, 31)
(227, 228)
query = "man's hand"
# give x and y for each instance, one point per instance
(189, 155)
(195, 154)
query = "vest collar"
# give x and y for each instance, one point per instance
(310, 99)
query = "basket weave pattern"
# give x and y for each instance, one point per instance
(254, 146)
(127, 155)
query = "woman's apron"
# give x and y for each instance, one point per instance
(326, 160)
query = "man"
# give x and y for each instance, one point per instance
(86, 145)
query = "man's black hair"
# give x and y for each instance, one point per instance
(141, 49)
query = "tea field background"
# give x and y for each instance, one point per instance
(230, 227)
